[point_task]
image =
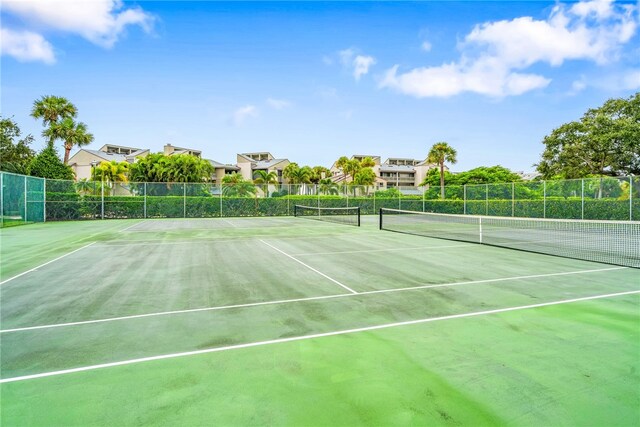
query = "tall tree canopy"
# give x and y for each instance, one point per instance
(47, 164)
(440, 153)
(70, 133)
(157, 167)
(52, 109)
(605, 141)
(15, 153)
(479, 175)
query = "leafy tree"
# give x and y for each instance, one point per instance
(110, 173)
(157, 167)
(440, 153)
(367, 162)
(71, 133)
(316, 174)
(479, 175)
(327, 186)
(364, 176)
(51, 109)
(234, 185)
(297, 175)
(47, 164)
(15, 156)
(605, 141)
(264, 178)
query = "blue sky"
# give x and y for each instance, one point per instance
(311, 81)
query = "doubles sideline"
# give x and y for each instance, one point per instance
(311, 336)
(295, 300)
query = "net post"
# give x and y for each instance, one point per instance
(44, 200)
(295, 210)
(358, 216)
(380, 219)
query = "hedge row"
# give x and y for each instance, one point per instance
(71, 206)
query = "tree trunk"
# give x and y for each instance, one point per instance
(67, 150)
(442, 180)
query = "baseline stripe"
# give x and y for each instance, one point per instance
(46, 263)
(310, 268)
(312, 336)
(287, 301)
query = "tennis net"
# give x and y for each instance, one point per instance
(611, 242)
(349, 216)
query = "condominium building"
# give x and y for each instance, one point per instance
(249, 163)
(393, 173)
(84, 159)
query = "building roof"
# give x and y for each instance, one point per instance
(118, 146)
(106, 156)
(219, 165)
(266, 164)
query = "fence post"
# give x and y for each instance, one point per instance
(102, 199)
(631, 198)
(26, 194)
(423, 203)
(44, 200)
(145, 200)
(220, 189)
(486, 199)
(544, 199)
(513, 199)
(1, 199)
(184, 199)
(464, 199)
(582, 198)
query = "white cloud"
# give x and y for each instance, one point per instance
(358, 64)
(426, 46)
(25, 46)
(494, 53)
(243, 113)
(361, 65)
(578, 85)
(99, 21)
(278, 104)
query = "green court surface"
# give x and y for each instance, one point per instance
(291, 321)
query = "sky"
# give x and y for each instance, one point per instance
(313, 81)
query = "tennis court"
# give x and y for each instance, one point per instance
(294, 321)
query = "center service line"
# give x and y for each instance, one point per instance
(310, 268)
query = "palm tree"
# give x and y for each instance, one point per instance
(71, 133)
(442, 152)
(264, 178)
(51, 109)
(234, 185)
(327, 186)
(111, 172)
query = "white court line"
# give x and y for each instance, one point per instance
(46, 263)
(312, 336)
(133, 225)
(230, 223)
(461, 245)
(288, 301)
(309, 267)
